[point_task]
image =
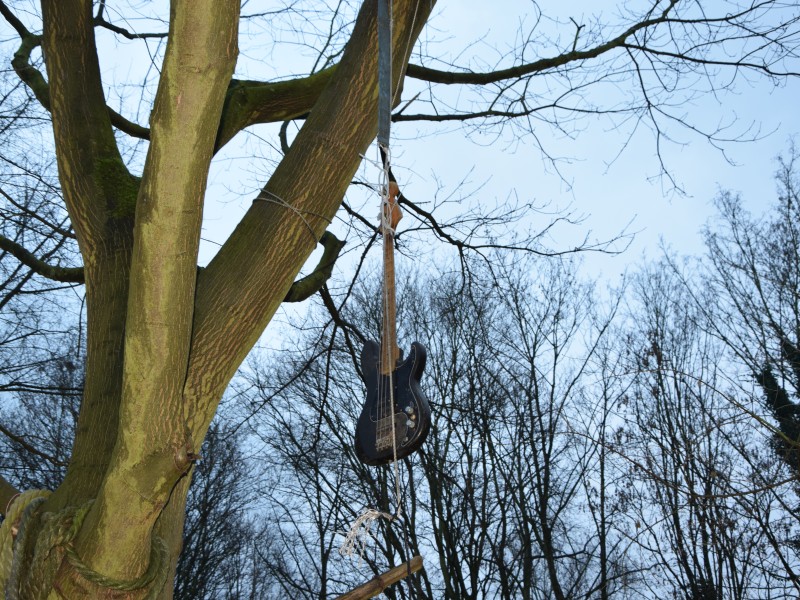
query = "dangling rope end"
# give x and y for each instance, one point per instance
(356, 540)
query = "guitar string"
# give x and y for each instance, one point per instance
(387, 207)
(386, 216)
(385, 36)
(360, 533)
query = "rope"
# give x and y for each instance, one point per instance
(266, 196)
(21, 541)
(53, 544)
(10, 528)
(156, 573)
(360, 533)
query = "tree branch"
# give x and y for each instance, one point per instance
(544, 64)
(62, 274)
(36, 82)
(21, 62)
(251, 102)
(100, 21)
(126, 126)
(17, 439)
(310, 284)
(739, 64)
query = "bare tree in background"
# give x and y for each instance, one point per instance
(753, 267)
(218, 560)
(493, 497)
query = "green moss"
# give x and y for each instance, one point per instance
(119, 187)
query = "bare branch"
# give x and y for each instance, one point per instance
(30, 448)
(544, 64)
(62, 274)
(100, 21)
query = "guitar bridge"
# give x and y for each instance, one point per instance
(383, 432)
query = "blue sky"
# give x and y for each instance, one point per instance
(611, 186)
(433, 159)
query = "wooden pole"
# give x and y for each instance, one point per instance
(380, 582)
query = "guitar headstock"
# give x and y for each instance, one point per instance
(391, 208)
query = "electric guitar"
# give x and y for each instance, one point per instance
(394, 395)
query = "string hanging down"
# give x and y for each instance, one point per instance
(396, 417)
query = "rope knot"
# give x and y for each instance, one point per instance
(43, 554)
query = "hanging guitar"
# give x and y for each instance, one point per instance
(396, 416)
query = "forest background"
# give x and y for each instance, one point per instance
(594, 435)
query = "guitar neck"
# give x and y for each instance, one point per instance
(390, 351)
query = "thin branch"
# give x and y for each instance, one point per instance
(66, 233)
(62, 274)
(17, 439)
(474, 78)
(100, 21)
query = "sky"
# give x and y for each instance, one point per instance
(629, 189)
(610, 179)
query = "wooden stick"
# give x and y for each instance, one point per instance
(380, 582)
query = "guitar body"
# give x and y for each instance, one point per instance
(412, 413)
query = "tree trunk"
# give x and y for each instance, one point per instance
(164, 339)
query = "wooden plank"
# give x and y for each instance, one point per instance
(380, 582)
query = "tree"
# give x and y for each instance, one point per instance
(699, 493)
(218, 560)
(37, 433)
(496, 496)
(36, 437)
(753, 267)
(163, 337)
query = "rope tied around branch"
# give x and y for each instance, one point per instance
(53, 544)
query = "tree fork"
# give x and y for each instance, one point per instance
(242, 287)
(154, 449)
